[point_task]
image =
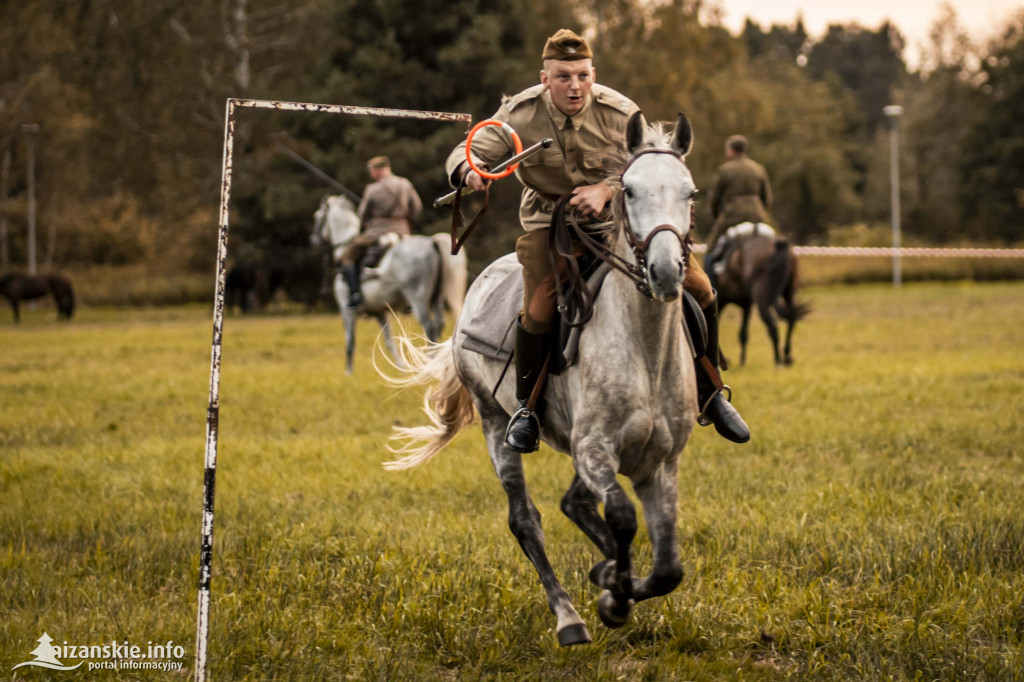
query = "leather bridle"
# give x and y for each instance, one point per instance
(637, 270)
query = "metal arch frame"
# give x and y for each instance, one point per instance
(213, 411)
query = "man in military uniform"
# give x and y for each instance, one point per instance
(389, 204)
(587, 123)
(740, 193)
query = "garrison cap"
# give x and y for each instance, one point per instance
(567, 46)
(737, 143)
(379, 162)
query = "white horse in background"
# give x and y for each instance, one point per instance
(416, 272)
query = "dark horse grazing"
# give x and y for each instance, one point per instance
(16, 286)
(761, 270)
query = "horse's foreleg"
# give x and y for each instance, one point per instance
(421, 310)
(524, 522)
(659, 496)
(349, 320)
(580, 505)
(438, 314)
(598, 469)
(17, 312)
(389, 340)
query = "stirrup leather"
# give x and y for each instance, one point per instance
(702, 418)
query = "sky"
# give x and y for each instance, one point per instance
(913, 17)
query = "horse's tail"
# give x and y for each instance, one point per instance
(446, 402)
(453, 273)
(783, 273)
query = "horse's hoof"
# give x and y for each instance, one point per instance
(603, 573)
(614, 613)
(571, 635)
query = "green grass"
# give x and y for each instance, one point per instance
(873, 529)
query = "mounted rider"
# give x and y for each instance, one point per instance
(587, 123)
(740, 193)
(389, 205)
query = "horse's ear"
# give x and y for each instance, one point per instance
(635, 132)
(683, 138)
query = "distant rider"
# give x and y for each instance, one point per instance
(389, 204)
(740, 193)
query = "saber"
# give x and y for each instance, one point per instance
(525, 154)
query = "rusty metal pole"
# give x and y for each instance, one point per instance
(213, 410)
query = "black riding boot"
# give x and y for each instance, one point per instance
(351, 275)
(531, 352)
(714, 407)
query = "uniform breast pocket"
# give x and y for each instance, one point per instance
(595, 160)
(545, 157)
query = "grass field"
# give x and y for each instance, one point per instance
(873, 529)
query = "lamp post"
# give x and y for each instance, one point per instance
(894, 112)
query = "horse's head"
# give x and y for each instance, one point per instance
(335, 222)
(654, 202)
(319, 235)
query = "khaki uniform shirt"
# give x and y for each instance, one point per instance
(388, 205)
(740, 193)
(583, 148)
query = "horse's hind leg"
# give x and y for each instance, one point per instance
(764, 309)
(744, 334)
(787, 357)
(524, 522)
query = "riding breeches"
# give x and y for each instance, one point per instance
(539, 282)
(355, 251)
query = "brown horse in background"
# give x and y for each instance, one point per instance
(762, 270)
(17, 286)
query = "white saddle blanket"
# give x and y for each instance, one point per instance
(737, 231)
(745, 229)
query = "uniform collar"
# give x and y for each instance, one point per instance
(559, 119)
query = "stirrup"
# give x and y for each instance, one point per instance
(702, 417)
(524, 413)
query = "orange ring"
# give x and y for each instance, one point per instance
(515, 138)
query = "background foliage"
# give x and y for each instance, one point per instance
(129, 96)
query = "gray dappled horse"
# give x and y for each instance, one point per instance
(417, 272)
(762, 271)
(626, 407)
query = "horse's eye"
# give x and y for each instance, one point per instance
(628, 191)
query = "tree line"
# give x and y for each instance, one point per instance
(129, 98)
